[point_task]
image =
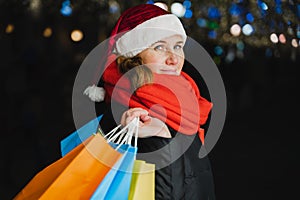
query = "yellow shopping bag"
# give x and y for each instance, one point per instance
(143, 181)
(74, 176)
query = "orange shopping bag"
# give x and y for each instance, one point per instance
(74, 176)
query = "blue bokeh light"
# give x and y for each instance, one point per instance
(263, 5)
(250, 17)
(240, 45)
(201, 22)
(66, 9)
(278, 2)
(188, 14)
(247, 29)
(187, 4)
(150, 2)
(218, 50)
(235, 10)
(214, 13)
(278, 9)
(212, 34)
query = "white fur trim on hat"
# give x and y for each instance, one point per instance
(95, 93)
(147, 33)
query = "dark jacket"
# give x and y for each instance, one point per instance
(180, 173)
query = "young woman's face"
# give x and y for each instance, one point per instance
(165, 56)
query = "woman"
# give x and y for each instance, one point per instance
(144, 78)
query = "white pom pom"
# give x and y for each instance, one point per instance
(95, 93)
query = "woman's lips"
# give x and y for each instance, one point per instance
(168, 71)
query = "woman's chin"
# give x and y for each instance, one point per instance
(169, 72)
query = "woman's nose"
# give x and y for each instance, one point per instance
(172, 58)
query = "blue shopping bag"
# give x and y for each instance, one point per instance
(80, 135)
(116, 183)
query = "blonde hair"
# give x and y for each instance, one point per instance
(137, 73)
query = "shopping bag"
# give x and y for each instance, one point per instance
(76, 175)
(80, 135)
(116, 184)
(143, 181)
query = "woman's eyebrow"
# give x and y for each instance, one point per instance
(161, 41)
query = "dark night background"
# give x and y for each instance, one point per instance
(256, 156)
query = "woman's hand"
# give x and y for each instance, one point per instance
(149, 126)
(130, 114)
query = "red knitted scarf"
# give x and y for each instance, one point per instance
(173, 99)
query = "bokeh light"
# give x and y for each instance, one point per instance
(274, 38)
(114, 7)
(282, 38)
(212, 34)
(247, 29)
(9, 28)
(47, 32)
(178, 9)
(218, 50)
(263, 5)
(240, 45)
(66, 8)
(250, 17)
(201, 22)
(187, 4)
(188, 14)
(294, 43)
(235, 30)
(76, 35)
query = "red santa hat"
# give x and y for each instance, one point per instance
(136, 29)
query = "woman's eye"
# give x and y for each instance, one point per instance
(159, 48)
(177, 47)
